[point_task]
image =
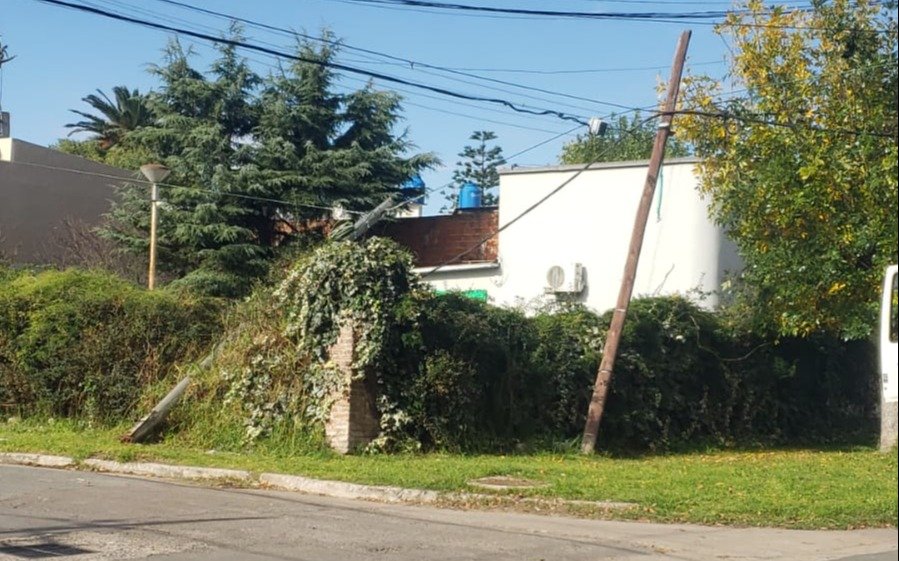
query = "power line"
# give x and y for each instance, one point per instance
(402, 61)
(138, 180)
(539, 144)
(599, 156)
(579, 70)
(542, 200)
(333, 65)
(694, 18)
(270, 65)
(431, 190)
(547, 13)
(758, 120)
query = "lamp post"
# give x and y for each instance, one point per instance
(155, 173)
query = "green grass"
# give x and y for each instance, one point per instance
(840, 488)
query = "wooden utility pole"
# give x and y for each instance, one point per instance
(604, 375)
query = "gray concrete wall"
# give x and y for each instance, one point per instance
(40, 189)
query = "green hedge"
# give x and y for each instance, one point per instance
(76, 343)
(472, 376)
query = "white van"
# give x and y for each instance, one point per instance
(889, 360)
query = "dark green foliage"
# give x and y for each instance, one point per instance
(627, 139)
(253, 159)
(462, 373)
(115, 119)
(77, 343)
(476, 377)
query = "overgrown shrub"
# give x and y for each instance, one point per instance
(457, 374)
(77, 343)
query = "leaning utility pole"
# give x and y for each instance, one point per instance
(604, 375)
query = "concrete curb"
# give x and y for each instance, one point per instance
(337, 489)
(165, 470)
(347, 490)
(40, 460)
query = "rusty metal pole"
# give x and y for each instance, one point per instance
(604, 375)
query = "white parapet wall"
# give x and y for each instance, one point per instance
(589, 223)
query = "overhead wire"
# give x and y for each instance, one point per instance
(328, 64)
(545, 13)
(399, 61)
(134, 179)
(759, 120)
(542, 199)
(693, 18)
(507, 159)
(406, 102)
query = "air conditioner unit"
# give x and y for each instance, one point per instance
(567, 278)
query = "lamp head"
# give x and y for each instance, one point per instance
(155, 173)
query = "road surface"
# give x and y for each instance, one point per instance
(83, 516)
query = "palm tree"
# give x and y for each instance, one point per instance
(129, 111)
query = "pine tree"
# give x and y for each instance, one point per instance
(479, 166)
(251, 156)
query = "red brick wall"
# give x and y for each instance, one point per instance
(436, 239)
(353, 419)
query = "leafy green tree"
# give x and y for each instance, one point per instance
(801, 166)
(629, 139)
(252, 158)
(478, 165)
(115, 118)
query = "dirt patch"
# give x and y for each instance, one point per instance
(505, 482)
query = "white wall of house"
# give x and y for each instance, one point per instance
(590, 222)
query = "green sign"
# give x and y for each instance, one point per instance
(473, 294)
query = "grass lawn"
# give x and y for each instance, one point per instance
(841, 488)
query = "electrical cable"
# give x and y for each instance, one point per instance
(431, 190)
(399, 60)
(756, 119)
(332, 65)
(694, 18)
(547, 13)
(175, 186)
(540, 201)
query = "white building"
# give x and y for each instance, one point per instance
(582, 233)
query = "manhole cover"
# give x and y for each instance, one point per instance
(506, 482)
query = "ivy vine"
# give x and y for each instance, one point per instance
(363, 283)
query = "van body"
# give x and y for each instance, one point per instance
(889, 359)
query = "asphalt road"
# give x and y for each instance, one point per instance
(84, 516)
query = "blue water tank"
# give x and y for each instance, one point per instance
(414, 182)
(413, 188)
(469, 196)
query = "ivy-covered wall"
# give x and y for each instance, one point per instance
(456, 374)
(449, 373)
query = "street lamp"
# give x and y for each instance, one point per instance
(155, 173)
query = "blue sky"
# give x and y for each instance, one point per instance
(63, 55)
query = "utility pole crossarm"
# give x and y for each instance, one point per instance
(604, 375)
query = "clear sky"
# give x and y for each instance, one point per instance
(63, 55)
